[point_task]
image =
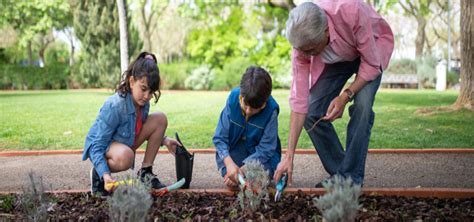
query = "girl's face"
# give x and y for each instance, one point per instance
(141, 93)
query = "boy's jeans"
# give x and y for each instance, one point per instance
(349, 163)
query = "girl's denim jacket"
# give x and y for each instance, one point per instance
(116, 122)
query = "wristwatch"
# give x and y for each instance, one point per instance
(350, 94)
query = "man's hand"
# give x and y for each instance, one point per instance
(286, 165)
(336, 107)
(108, 179)
(171, 144)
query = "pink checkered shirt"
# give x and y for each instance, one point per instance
(356, 30)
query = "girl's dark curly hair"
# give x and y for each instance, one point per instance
(145, 65)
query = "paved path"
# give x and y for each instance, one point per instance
(439, 170)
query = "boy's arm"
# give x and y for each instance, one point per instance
(268, 144)
(221, 135)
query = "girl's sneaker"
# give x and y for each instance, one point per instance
(97, 184)
(146, 175)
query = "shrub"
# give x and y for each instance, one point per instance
(175, 74)
(426, 70)
(230, 75)
(200, 78)
(256, 188)
(452, 78)
(341, 201)
(53, 76)
(402, 66)
(130, 202)
(33, 200)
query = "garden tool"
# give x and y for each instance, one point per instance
(315, 123)
(246, 185)
(281, 185)
(184, 164)
(161, 192)
(109, 186)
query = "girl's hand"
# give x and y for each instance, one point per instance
(171, 144)
(108, 179)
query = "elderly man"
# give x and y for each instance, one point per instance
(331, 41)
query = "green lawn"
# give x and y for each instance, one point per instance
(38, 120)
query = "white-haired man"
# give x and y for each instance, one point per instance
(331, 41)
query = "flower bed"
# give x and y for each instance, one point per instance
(216, 206)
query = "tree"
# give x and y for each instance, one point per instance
(122, 12)
(149, 14)
(96, 25)
(419, 9)
(466, 95)
(35, 20)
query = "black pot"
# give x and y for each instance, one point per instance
(184, 164)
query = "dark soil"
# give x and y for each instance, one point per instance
(205, 207)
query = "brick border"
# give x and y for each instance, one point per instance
(211, 151)
(403, 192)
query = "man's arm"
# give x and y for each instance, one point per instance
(286, 164)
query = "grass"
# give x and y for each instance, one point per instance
(47, 120)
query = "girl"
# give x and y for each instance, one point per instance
(123, 124)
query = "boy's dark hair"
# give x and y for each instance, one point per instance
(255, 86)
(145, 65)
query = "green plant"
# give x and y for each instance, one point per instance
(402, 66)
(174, 74)
(54, 76)
(426, 70)
(7, 202)
(33, 200)
(452, 78)
(200, 78)
(256, 187)
(130, 202)
(341, 201)
(230, 75)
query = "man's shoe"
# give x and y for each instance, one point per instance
(146, 175)
(97, 184)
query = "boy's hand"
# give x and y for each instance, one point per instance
(108, 179)
(232, 171)
(171, 144)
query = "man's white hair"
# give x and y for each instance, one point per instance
(306, 25)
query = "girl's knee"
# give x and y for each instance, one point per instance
(121, 159)
(160, 118)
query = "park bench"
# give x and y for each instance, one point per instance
(399, 81)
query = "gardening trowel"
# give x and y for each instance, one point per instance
(281, 185)
(169, 188)
(109, 186)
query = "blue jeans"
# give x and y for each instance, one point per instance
(240, 153)
(351, 162)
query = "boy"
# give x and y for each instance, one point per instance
(248, 127)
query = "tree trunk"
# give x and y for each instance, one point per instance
(122, 12)
(71, 56)
(30, 53)
(420, 36)
(466, 95)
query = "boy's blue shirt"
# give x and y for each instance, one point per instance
(252, 139)
(116, 122)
